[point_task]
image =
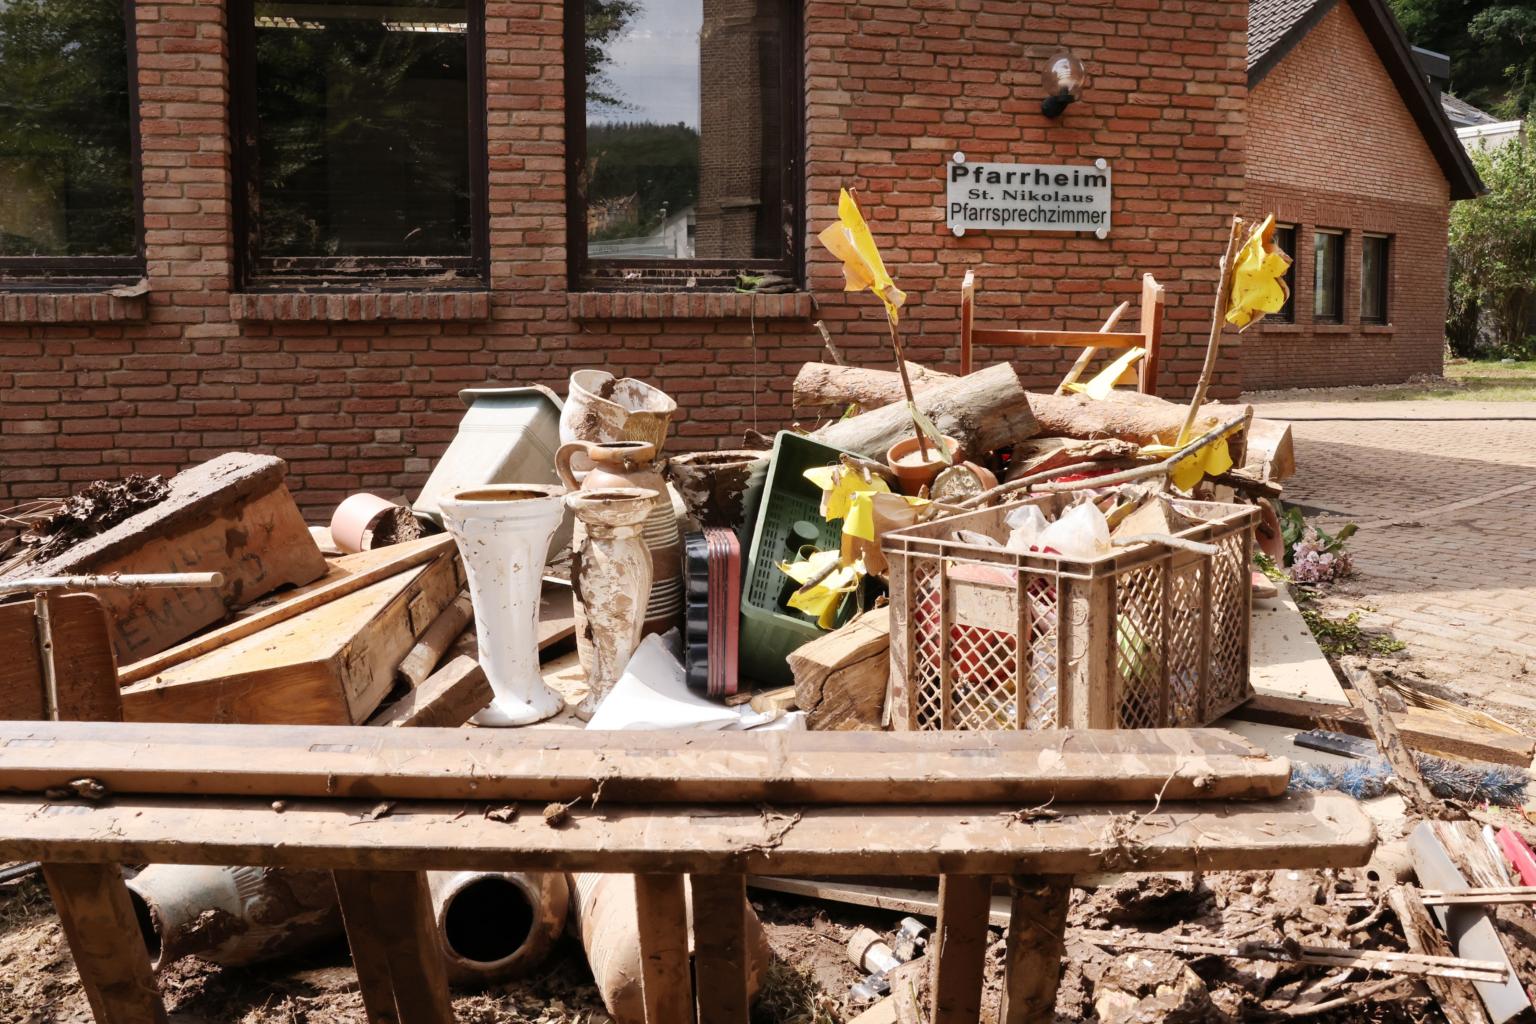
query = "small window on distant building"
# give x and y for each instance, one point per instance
(69, 207)
(1328, 276)
(684, 122)
(1375, 251)
(1285, 238)
(362, 140)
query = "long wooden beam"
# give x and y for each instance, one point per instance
(1310, 830)
(1023, 767)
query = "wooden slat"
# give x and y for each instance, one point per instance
(85, 668)
(395, 905)
(1037, 935)
(666, 985)
(720, 947)
(958, 948)
(109, 951)
(1300, 831)
(365, 937)
(451, 764)
(1457, 997)
(446, 699)
(1065, 339)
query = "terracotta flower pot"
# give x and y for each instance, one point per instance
(913, 473)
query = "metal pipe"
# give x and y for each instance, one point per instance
(44, 623)
(493, 926)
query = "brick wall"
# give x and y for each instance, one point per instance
(362, 394)
(1332, 145)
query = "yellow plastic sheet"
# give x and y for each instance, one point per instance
(1103, 383)
(827, 595)
(1212, 459)
(1258, 278)
(850, 241)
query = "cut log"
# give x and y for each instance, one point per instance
(419, 662)
(1143, 419)
(331, 665)
(984, 411)
(840, 678)
(232, 515)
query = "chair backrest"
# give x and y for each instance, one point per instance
(1149, 336)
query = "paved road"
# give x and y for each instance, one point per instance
(1445, 497)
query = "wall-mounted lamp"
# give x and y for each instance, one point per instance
(1064, 79)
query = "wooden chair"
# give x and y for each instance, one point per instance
(1149, 336)
(676, 816)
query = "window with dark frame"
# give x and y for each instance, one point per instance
(1375, 253)
(70, 207)
(685, 143)
(1328, 276)
(361, 143)
(1285, 239)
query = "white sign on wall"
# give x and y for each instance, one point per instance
(1027, 197)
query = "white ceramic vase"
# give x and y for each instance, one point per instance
(611, 576)
(503, 534)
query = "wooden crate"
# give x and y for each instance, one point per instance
(1146, 637)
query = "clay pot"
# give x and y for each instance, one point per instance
(601, 407)
(365, 521)
(633, 464)
(714, 485)
(503, 535)
(611, 577)
(912, 474)
(493, 926)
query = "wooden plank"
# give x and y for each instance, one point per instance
(1029, 767)
(1480, 896)
(85, 669)
(103, 932)
(666, 984)
(1300, 831)
(232, 515)
(958, 948)
(921, 902)
(383, 564)
(1424, 731)
(1064, 339)
(841, 678)
(720, 947)
(1153, 304)
(446, 699)
(1457, 997)
(330, 665)
(1405, 767)
(1037, 938)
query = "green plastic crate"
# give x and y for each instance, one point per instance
(767, 635)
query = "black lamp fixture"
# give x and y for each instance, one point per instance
(1064, 79)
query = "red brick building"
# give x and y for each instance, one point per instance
(1348, 146)
(323, 220)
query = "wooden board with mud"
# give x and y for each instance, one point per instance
(1030, 767)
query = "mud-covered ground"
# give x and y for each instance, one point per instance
(809, 982)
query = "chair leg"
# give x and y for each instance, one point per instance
(109, 951)
(388, 915)
(959, 948)
(1037, 931)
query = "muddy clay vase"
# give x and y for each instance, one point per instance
(602, 407)
(503, 535)
(633, 464)
(714, 485)
(611, 577)
(913, 472)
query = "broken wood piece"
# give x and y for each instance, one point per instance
(84, 670)
(1424, 731)
(362, 570)
(1471, 931)
(103, 931)
(1457, 997)
(446, 699)
(421, 659)
(331, 665)
(984, 411)
(231, 515)
(958, 948)
(841, 677)
(1409, 782)
(1086, 356)
(1017, 768)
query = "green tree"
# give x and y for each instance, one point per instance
(65, 158)
(1492, 46)
(1493, 252)
(606, 20)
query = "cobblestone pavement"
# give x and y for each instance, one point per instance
(1444, 493)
